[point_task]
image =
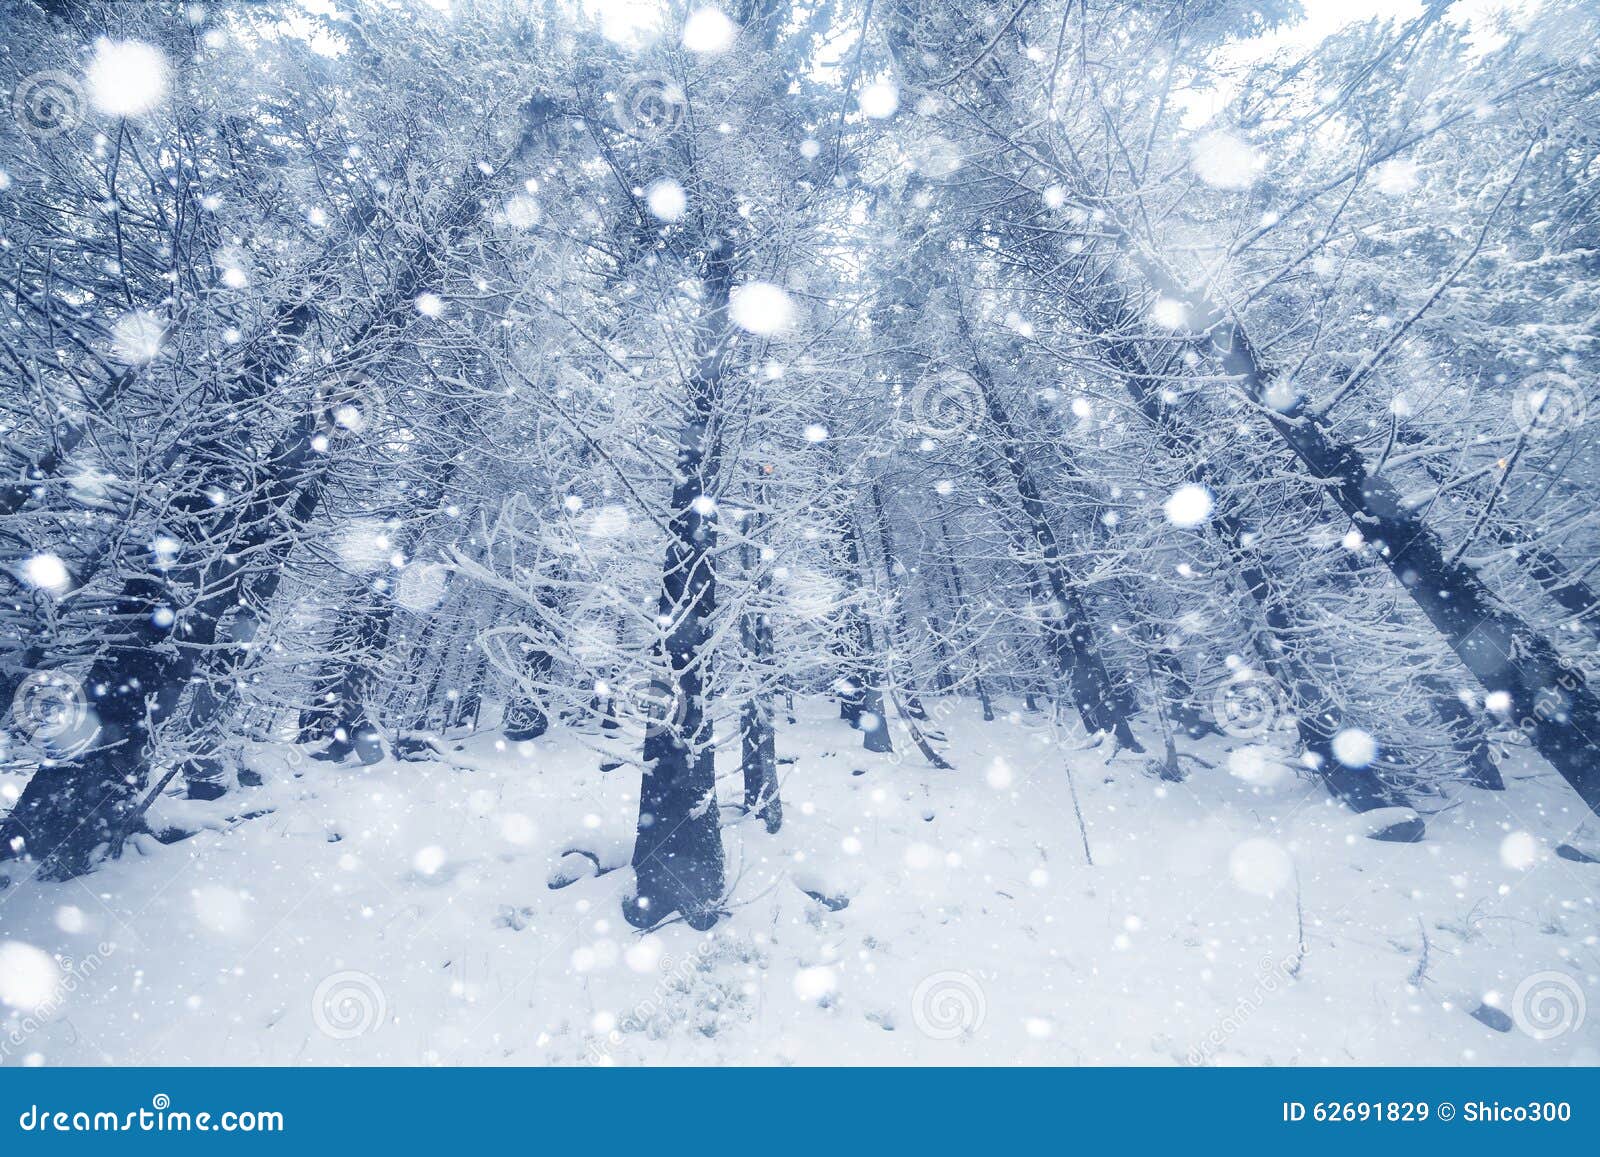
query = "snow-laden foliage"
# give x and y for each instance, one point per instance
(388, 380)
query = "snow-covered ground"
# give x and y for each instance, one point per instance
(404, 914)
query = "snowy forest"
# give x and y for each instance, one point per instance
(799, 531)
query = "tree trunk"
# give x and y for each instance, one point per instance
(1546, 696)
(896, 624)
(159, 628)
(525, 716)
(70, 809)
(1067, 634)
(953, 575)
(758, 751)
(870, 718)
(677, 852)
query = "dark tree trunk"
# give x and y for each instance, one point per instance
(1315, 724)
(944, 677)
(849, 688)
(69, 810)
(423, 721)
(959, 596)
(897, 624)
(317, 718)
(205, 769)
(1067, 634)
(1180, 705)
(758, 754)
(758, 749)
(470, 706)
(526, 717)
(354, 728)
(677, 853)
(320, 716)
(1550, 699)
(867, 680)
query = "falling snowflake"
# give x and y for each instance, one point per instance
(665, 199)
(812, 984)
(28, 976)
(1169, 313)
(1261, 866)
(1396, 178)
(1519, 851)
(762, 308)
(1188, 506)
(46, 572)
(137, 338)
(429, 860)
(708, 32)
(1225, 160)
(422, 587)
(521, 212)
(127, 77)
(609, 521)
(1354, 747)
(879, 101)
(364, 545)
